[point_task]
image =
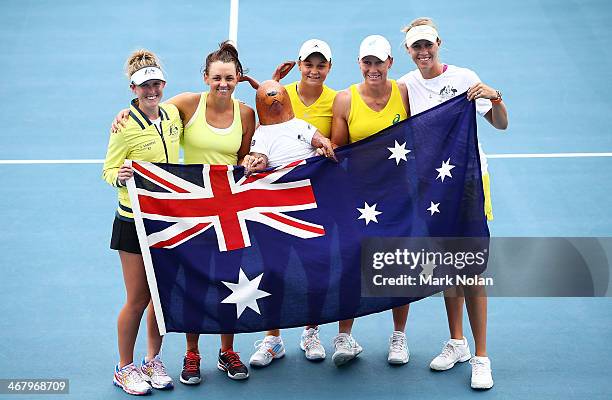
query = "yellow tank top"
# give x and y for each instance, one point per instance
(205, 144)
(364, 122)
(319, 113)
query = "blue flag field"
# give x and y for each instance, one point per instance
(282, 248)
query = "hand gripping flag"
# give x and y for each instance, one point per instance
(282, 248)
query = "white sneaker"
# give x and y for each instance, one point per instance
(311, 344)
(398, 349)
(346, 349)
(268, 349)
(481, 373)
(130, 380)
(154, 372)
(454, 351)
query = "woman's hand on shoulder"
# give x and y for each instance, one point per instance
(120, 120)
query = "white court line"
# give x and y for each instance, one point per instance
(489, 156)
(91, 161)
(548, 155)
(233, 22)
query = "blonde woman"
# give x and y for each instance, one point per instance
(151, 133)
(429, 85)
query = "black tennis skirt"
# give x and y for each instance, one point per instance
(124, 236)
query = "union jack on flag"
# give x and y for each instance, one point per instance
(224, 203)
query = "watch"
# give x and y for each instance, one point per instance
(498, 99)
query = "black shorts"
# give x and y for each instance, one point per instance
(124, 236)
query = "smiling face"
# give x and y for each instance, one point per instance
(273, 103)
(222, 78)
(314, 69)
(374, 70)
(149, 93)
(424, 54)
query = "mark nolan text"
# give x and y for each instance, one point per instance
(406, 280)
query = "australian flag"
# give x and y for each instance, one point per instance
(281, 248)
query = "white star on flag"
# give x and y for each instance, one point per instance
(369, 213)
(398, 152)
(427, 269)
(444, 170)
(433, 208)
(245, 293)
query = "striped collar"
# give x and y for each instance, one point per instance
(141, 119)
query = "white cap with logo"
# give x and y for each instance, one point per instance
(421, 32)
(315, 46)
(375, 45)
(146, 74)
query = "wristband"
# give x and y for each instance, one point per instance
(498, 99)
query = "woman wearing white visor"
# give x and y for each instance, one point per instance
(429, 85)
(151, 134)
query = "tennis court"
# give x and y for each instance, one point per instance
(61, 286)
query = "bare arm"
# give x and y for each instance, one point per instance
(340, 112)
(247, 117)
(404, 93)
(186, 103)
(497, 115)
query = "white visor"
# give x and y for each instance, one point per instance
(421, 32)
(146, 74)
(375, 45)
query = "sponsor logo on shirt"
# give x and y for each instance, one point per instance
(147, 145)
(447, 92)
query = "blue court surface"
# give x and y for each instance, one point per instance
(61, 286)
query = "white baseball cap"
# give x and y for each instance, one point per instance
(315, 46)
(146, 74)
(421, 32)
(375, 45)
